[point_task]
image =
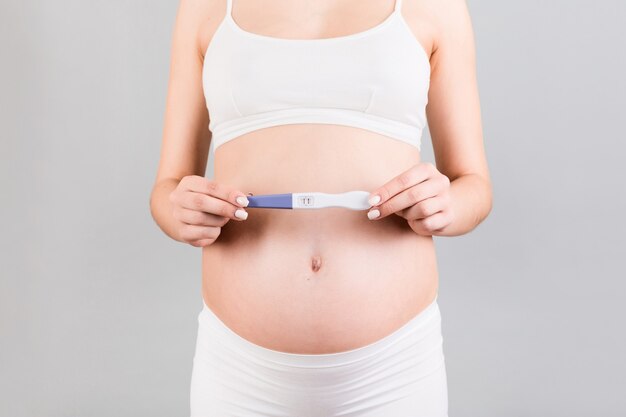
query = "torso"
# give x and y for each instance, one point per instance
(316, 281)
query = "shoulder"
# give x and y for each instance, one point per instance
(439, 23)
(199, 19)
(452, 24)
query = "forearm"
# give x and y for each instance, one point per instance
(161, 206)
(471, 202)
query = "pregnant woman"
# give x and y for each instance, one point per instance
(329, 311)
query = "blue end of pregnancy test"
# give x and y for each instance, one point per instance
(279, 201)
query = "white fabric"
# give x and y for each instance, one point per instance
(377, 79)
(400, 375)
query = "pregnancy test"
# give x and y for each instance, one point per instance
(353, 200)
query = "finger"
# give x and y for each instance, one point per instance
(203, 185)
(199, 218)
(408, 198)
(201, 243)
(431, 224)
(413, 176)
(423, 209)
(210, 204)
(190, 233)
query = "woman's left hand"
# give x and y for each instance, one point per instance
(421, 195)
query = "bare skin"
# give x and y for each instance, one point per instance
(324, 281)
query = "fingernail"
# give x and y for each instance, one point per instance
(241, 214)
(243, 201)
(373, 214)
(374, 200)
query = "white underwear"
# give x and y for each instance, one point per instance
(401, 375)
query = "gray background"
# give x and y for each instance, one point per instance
(98, 307)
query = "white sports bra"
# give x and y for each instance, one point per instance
(377, 79)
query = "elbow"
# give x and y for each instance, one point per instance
(486, 201)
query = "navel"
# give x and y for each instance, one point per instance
(316, 263)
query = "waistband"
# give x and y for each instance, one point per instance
(416, 329)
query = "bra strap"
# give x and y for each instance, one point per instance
(396, 7)
(229, 7)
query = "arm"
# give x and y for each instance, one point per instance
(454, 118)
(186, 138)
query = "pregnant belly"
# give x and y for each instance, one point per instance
(315, 281)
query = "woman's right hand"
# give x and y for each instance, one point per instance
(203, 206)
